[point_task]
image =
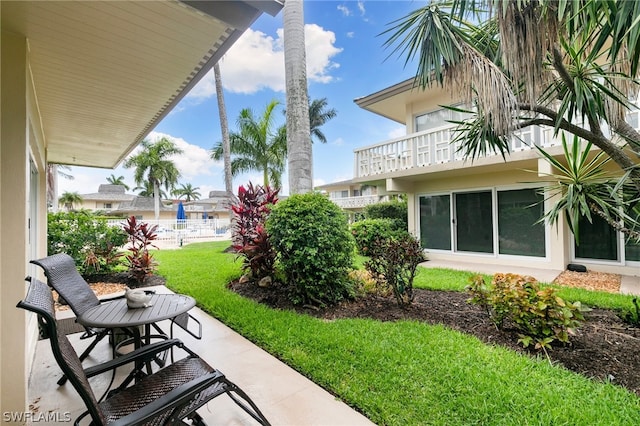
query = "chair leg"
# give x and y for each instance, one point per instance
(85, 354)
(244, 402)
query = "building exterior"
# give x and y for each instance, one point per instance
(350, 196)
(216, 206)
(109, 198)
(69, 96)
(485, 210)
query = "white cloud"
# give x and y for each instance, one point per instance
(398, 132)
(350, 34)
(338, 142)
(256, 62)
(194, 160)
(361, 7)
(344, 9)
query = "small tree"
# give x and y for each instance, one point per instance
(395, 210)
(393, 262)
(249, 234)
(315, 248)
(141, 236)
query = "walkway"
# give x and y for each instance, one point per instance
(629, 284)
(284, 395)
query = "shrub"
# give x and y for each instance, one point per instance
(393, 262)
(88, 239)
(538, 314)
(139, 261)
(314, 246)
(251, 240)
(396, 210)
(367, 231)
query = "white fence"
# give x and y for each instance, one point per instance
(176, 232)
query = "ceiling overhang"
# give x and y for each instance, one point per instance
(105, 73)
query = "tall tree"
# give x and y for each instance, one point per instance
(69, 199)
(146, 190)
(298, 132)
(53, 171)
(153, 164)
(256, 146)
(224, 128)
(119, 180)
(571, 66)
(318, 117)
(187, 191)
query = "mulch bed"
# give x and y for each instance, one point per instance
(604, 347)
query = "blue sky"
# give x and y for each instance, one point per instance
(345, 60)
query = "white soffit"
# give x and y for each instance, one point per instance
(106, 72)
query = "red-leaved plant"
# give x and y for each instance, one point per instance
(141, 236)
(250, 238)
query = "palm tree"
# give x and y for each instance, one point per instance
(255, 146)
(53, 171)
(224, 128)
(187, 191)
(543, 63)
(113, 180)
(68, 199)
(146, 190)
(318, 117)
(298, 131)
(153, 165)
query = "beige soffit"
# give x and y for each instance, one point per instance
(105, 73)
(392, 101)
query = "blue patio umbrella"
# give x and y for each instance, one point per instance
(181, 215)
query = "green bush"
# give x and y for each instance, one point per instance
(540, 316)
(393, 263)
(367, 231)
(396, 210)
(314, 246)
(92, 243)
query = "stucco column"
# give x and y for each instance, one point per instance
(13, 223)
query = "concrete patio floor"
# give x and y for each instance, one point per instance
(283, 395)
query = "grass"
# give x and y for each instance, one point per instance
(404, 372)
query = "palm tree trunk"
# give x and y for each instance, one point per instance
(224, 127)
(156, 199)
(298, 128)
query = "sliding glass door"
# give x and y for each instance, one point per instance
(474, 222)
(435, 222)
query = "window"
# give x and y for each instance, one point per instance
(357, 193)
(474, 222)
(518, 232)
(597, 240)
(107, 206)
(438, 118)
(469, 222)
(435, 222)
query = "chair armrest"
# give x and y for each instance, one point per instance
(142, 354)
(174, 398)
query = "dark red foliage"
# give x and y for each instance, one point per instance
(141, 236)
(250, 238)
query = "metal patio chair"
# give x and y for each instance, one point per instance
(63, 276)
(167, 397)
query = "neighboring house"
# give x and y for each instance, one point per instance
(478, 211)
(108, 198)
(352, 197)
(82, 84)
(214, 207)
(143, 209)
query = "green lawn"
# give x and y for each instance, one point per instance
(404, 373)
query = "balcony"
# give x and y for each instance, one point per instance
(355, 202)
(431, 147)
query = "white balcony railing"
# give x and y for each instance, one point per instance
(355, 202)
(431, 147)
